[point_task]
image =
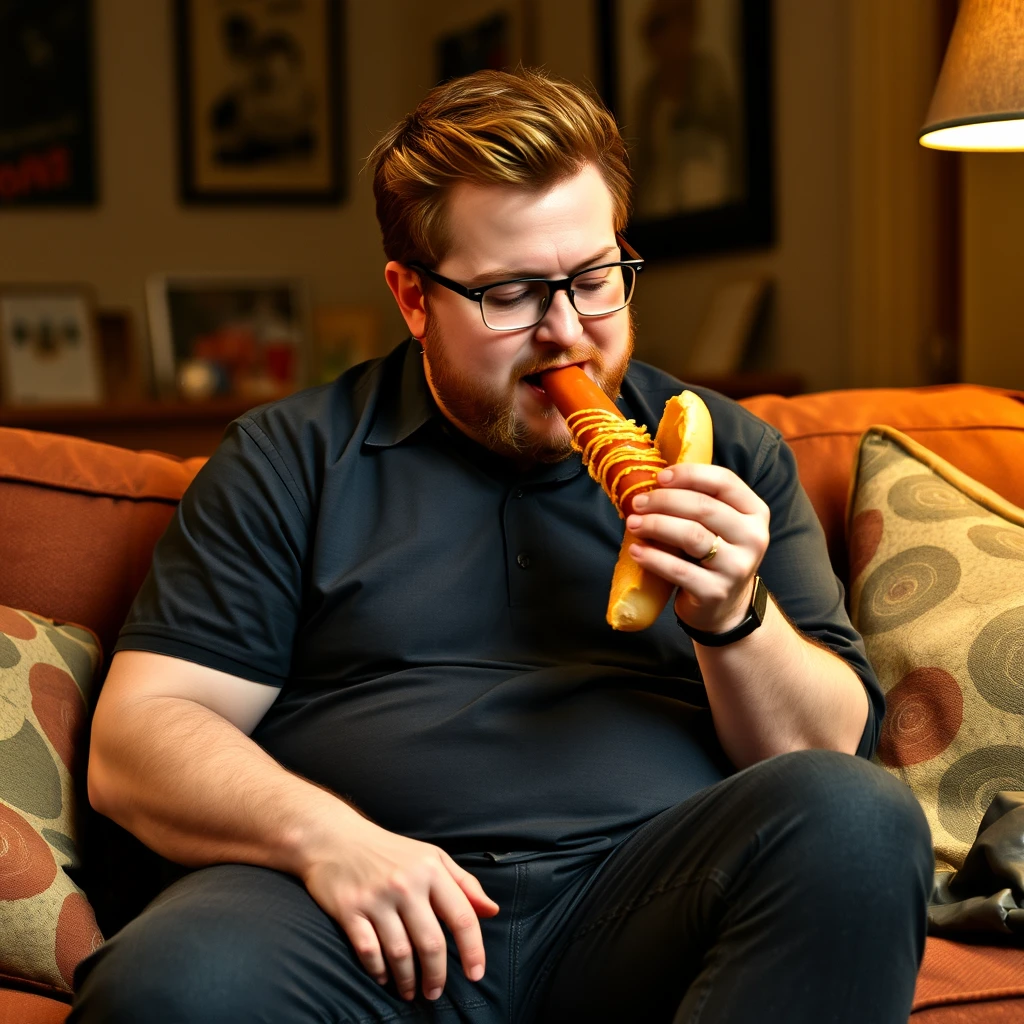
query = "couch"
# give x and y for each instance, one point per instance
(78, 521)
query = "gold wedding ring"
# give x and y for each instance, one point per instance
(714, 550)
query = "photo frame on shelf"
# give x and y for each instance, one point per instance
(49, 353)
(228, 336)
(690, 83)
(727, 327)
(343, 337)
(260, 101)
(124, 375)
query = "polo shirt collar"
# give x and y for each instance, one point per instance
(406, 408)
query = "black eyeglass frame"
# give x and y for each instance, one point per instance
(636, 263)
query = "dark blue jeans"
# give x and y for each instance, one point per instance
(793, 891)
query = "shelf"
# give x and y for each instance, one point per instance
(178, 428)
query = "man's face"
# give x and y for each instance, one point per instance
(476, 374)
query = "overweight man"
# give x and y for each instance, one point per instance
(367, 694)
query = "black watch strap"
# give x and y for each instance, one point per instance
(755, 616)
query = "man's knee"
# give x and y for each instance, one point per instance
(164, 975)
(850, 815)
(224, 944)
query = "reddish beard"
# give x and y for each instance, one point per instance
(490, 412)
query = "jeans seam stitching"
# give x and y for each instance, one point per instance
(714, 876)
(513, 939)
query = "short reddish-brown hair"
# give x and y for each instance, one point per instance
(525, 129)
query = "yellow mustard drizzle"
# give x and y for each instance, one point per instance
(635, 453)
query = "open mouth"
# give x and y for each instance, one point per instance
(534, 379)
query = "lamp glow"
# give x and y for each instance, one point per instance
(979, 98)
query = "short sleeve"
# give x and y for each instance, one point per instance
(797, 570)
(225, 587)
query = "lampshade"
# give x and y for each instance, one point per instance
(979, 98)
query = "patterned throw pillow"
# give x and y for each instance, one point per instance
(46, 923)
(937, 590)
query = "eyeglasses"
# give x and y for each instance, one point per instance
(521, 303)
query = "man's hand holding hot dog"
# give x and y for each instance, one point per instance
(774, 690)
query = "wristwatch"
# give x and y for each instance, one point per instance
(755, 616)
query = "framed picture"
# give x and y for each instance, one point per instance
(226, 336)
(690, 84)
(47, 145)
(343, 336)
(48, 346)
(260, 100)
(485, 45)
(727, 328)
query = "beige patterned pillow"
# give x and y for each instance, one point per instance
(937, 591)
(46, 923)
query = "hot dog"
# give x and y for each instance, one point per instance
(623, 459)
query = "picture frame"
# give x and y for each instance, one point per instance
(723, 339)
(487, 44)
(47, 105)
(260, 101)
(690, 83)
(343, 337)
(220, 335)
(49, 352)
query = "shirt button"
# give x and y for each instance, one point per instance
(523, 559)
(519, 492)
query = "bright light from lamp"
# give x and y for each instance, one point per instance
(982, 137)
(979, 97)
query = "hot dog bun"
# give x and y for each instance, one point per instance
(637, 596)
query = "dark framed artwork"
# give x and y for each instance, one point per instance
(690, 83)
(260, 101)
(47, 120)
(482, 46)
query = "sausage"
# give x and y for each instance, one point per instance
(619, 455)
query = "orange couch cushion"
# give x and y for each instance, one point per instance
(28, 1008)
(961, 983)
(978, 429)
(78, 521)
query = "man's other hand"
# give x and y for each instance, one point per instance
(390, 894)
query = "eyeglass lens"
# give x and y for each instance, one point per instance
(521, 304)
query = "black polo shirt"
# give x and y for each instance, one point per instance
(434, 618)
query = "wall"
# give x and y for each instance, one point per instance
(992, 347)
(140, 228)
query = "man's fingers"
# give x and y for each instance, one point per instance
(363, 937)
(454, 909)
(423, 929)
(398, 949)
(470, 885)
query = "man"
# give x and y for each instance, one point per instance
(368, 692)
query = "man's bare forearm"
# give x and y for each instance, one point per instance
(198, 791)
(775, 691)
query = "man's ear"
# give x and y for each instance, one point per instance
(407, 289)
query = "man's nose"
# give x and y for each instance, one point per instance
(561, 324)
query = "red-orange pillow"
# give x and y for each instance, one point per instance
(46, 673)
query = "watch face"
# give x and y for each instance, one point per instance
(760, 599)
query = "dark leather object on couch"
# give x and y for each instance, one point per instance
(78, 522)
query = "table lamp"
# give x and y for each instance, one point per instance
(978, 104)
